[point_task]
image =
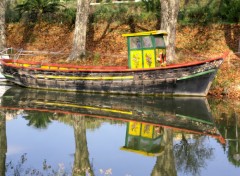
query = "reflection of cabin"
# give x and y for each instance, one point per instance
(146, 49)
(143, 139)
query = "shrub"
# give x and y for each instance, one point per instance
(229, 11)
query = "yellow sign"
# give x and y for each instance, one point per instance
(147, 130)
(149, 58)
(136, 59)
(134, 128)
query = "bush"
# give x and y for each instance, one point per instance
(12, 15)
(230, 11)
(67, 16)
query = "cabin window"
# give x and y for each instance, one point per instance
(147, 42)
(160, 42)
(135, 43)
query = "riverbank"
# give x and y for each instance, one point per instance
(106, 46)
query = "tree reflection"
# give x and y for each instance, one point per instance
(228, 123)
(3, 143)
(229, 127)
(165, 164)
(191, 154)
(81, 157)
(38, 120)
(234, 140)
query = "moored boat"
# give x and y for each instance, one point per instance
(147, 72)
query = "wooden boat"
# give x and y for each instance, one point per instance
(147, 72)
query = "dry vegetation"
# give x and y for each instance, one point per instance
(108, 47)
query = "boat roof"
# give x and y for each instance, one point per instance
(158, 32)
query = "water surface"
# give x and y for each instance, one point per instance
(68, 133)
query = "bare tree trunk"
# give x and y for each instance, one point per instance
(2, 24)
(169, 14)
(79, 38)
(165, 164)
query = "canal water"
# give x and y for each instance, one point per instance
(68, 133)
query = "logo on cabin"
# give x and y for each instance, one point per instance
(136, 59)
(148, 58)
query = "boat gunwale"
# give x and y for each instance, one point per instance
(74, 68)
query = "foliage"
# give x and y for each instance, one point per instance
(193, 11)
(11, 14)
(212, 11)
(68, 15)
(39, 120)
(130, 14)
(151, 5)
(230, 11)
(35, 10)
(110, 12)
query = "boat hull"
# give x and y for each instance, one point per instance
(190, 79)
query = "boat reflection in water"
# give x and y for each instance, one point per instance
(150, 120)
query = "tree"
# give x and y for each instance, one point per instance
(79, 38)
(2, 24)
(169, 14)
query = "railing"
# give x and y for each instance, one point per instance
(61, 57)
(15, 54)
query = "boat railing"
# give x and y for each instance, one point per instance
(8, 53)
(15, 54)
(92, 58)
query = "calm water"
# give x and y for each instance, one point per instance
(62, 133)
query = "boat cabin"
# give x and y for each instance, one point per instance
(146, 49)
(145, 139)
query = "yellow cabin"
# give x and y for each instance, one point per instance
(146, 49)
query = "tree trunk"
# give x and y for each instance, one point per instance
(80, 32)
(169, 14)
(165, 164)
(2, 24)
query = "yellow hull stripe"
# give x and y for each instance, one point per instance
(84, 77)
(84, 107)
